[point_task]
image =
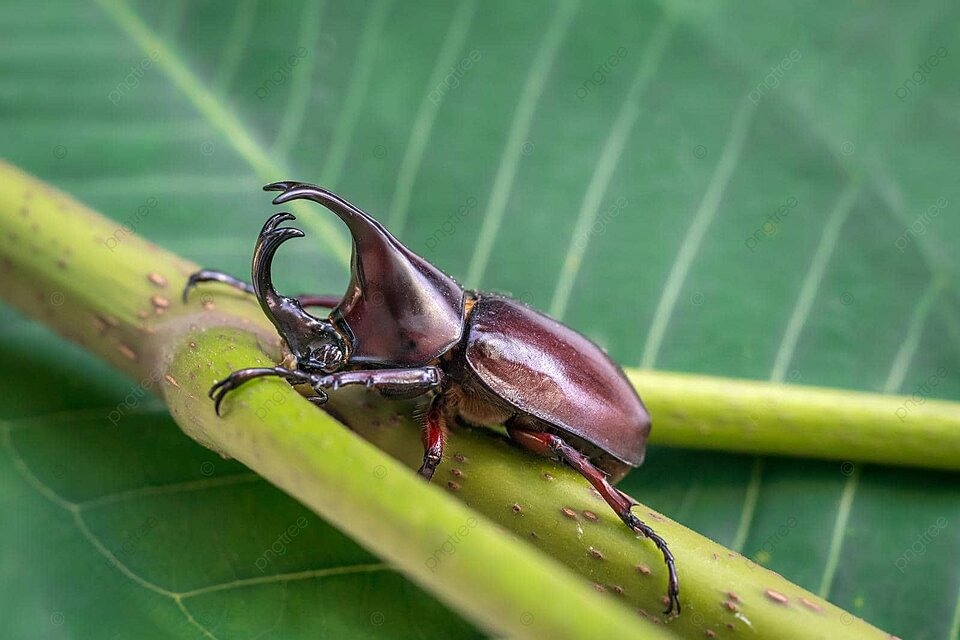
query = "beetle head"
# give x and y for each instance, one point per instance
(399, 310)
(315, 342)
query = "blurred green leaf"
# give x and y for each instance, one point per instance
(749, 190)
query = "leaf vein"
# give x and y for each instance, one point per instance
(519, 131)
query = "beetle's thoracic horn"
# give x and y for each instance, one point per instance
(296, 326)
(398, 309)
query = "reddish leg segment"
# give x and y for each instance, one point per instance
(549, 445)
(434, 437)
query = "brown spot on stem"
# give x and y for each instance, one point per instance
(127, 352)
(62, 263)
(710, 633)
(517, 508)
(533, 534)
(453, 486)
(143, 314)
(643, 569)
(456, 472)
(547, 476)
(733, 596)
(596, 553)
(776, 596)
(157, 279)
(599, 587)
(813, 606)
(570, 513)
(460, 457)
(159, 302)
(731, 606)
(208, 305)
(617, 589)
(590, 515)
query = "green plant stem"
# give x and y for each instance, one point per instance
(58, 268)
(705, 412)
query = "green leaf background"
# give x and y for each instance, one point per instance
(601, 161)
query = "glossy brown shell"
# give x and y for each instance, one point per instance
(548, 370)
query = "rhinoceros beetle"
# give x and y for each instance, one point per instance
(405, 328)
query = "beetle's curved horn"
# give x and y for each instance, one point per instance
(295, 325)
(399, 308)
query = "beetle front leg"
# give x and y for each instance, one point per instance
(237, 378)
(408, 382)
(546, 444)
(212, 275)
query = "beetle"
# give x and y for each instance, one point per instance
(405, 328)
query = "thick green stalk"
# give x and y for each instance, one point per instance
(704, 412)
(121, 303)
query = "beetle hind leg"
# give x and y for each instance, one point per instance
(546, 444)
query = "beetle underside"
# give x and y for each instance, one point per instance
(406, 329)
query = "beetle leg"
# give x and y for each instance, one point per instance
(434, 437)
(212, 275)
(237, 378)
(546, 444)
(408, 382)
